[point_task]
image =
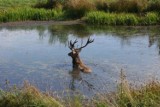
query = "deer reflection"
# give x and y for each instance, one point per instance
(76, 79)
(154, 39)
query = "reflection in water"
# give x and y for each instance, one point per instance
(39, 54)
(155, 40)
(76, 76)
(61, 32)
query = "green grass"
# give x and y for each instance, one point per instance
(106, 12)
(23, 14)
(103, 18)
(17, 3)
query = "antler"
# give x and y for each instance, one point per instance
(71, 45)
(88, 42)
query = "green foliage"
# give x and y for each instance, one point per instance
(22, 14)
(119, 12)
(17, 3)
(99, 17)
(102, 5)
(150, 19)
(154, 6)
(78, 8)
(111, 18)
(133, 6)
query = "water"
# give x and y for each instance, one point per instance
(38, 54)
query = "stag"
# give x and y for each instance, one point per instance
(74, 54)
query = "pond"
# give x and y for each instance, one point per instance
(39, 54)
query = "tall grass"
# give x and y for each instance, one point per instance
(104, 18)
(18, 3)
(27, 96)
(146, 95)
(150, 18)
(22, 14)
(78, 8)
(127, 95)
(118, 12)
(111, 18)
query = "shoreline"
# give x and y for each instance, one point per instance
(38, 23)
(69, 22)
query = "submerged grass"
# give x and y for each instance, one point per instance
(146, 95)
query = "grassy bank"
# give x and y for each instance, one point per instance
(107, 12)
(147, 95)
(103, 18)
(26, 13)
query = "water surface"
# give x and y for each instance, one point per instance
(39, 54)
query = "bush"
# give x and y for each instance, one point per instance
(78, 8)
(154, 6)
(133, 6)
(102, 5)
(50, 4)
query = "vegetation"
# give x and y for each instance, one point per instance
(98, 17)
(107, 12)
(146, 95)
(22, 14)
(27, 96)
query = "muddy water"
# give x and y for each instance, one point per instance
(38, 54)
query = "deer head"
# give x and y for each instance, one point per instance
(74, 54)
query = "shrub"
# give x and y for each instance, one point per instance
(78, 8)
(50, 4)
(154, 6)
(134, 6)
(102, 5)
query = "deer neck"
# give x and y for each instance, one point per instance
(78, 63)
